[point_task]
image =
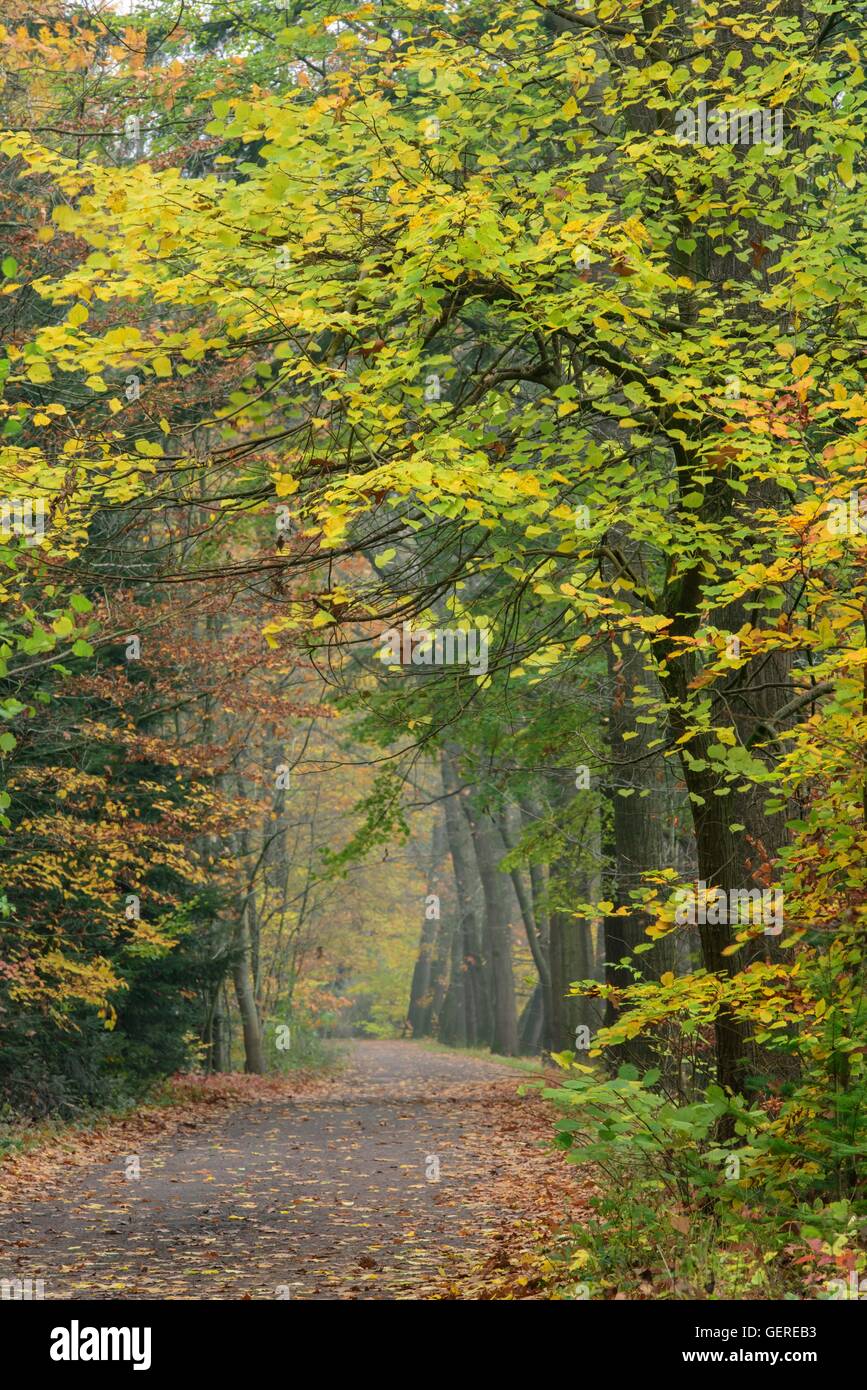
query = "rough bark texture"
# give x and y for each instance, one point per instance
(427, 988)
(487, 844)
(531, 1024)
(420, 1008)
(254, 1056)
(466, 1015)
(537, 938)
(574, 878)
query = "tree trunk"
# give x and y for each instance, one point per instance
(498, 935)
(428, 986)
(467, 1009)
(452, 1025)
(531, 1025)
(573, 952)
(254, 1056)
(536, 938)
(420, 994)
(219, 1034)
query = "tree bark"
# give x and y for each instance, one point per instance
(573, 952)
(427, 988)
(497, 935)
(253, 1051)
(466, 1016)
(535, 939)
(530, 1025)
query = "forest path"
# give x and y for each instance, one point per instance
(328, 1195)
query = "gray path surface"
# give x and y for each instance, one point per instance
(322, 1196)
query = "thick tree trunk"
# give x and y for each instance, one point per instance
(440, 976)
(536, 938)
(573, 949)
(453, 1024)
(421, 990)
(466, 1014)
(531, 1024)
(498, 936)
(572, 958)
(430, 974)
(220, 1034)
(244, 990)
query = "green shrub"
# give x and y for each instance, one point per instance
(679, 1214)
(298, 1047)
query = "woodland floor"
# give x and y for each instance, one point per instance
(310, 1188)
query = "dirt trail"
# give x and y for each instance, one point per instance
(399, 1178)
